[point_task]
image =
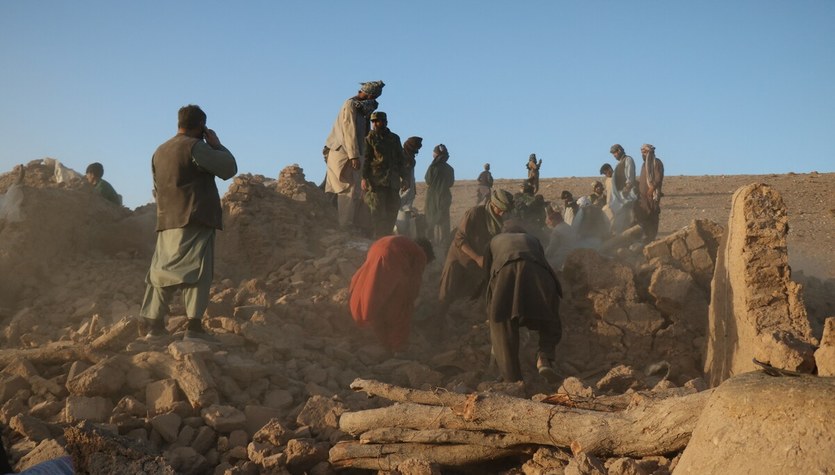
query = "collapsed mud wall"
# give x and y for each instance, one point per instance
(648, 310)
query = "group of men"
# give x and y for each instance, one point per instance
(630, 200)
(490, 254)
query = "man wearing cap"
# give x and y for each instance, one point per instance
(464, 274)
(346, 143)
(648, 209)
(598, 194)
(383, 175)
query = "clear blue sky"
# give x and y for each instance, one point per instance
(719, 87)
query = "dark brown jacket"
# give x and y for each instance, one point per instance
(185, 193)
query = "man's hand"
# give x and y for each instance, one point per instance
(355, 163)
(363, 185)
(211, 138)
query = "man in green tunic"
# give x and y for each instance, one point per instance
(188, 213)
(440, 176)
(383, 175)
(94, 174)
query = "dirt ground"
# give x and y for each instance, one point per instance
(809, 199)
(75, 265)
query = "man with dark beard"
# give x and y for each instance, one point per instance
(383, 175)
(188, 214)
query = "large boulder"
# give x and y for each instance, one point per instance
(755, 423)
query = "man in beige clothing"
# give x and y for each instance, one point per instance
(346, 144)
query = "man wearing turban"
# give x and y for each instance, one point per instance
(346, 149)
(440, 176)
(464, 274)
(648, 210)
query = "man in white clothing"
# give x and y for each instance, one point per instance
(346, 144)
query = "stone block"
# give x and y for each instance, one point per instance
(31, 427)
(258, 416)
(274, 433)
(10, 384)
(48, 449)
(161, 395)
(224, 419)
(204, 439)
(238, 438)
(93, 409)
(669, 286)
(130, 405)
(104, 378)
(178, 349)
(168, 426)
(302, 454)
(42, 386)
(320, 412)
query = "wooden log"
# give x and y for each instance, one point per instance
(437, 397)
(389, 456)
(117, 336)
(55, 352)
(649, 427)
(390, 435)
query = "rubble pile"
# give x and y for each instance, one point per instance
(269, 398)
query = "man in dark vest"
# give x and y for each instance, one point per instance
(188, 213)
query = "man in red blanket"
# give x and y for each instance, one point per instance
(384, 289)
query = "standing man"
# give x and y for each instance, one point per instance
(522, 291)
(533, 172)
(383, 175)
(188, 213)
(384, 289)
(485, 185)
(346, 144)
(623, 180)
(94, 174)
(617, 208)
(405, 224)
(648, 211)
(439, 178)
(624, 173)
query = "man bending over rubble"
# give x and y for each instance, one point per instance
(188, 213)
(384, 289)
(522, 291)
